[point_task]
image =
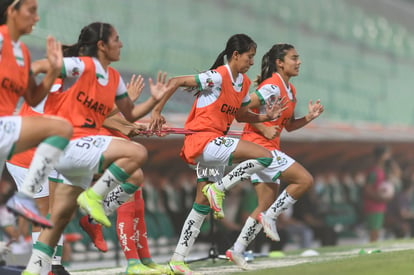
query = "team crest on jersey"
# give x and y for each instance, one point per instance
(272, 100)
(209, 82)
(75, 71)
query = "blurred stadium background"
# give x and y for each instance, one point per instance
(357, 57)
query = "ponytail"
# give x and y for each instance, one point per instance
(240, 43)
(70, 50)
(89, 37)
(268, 67)
(219, 60)
(278, 51)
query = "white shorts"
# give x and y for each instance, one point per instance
(6, 217)
(215, 157)
(19, 174)
(82, 159)
(10, 127)
(280, 163)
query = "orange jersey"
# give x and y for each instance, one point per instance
(24, 159)
(87, 103)
(14, 79)
(213, 120)
(272, 84)
(55, 98)
(111, 132)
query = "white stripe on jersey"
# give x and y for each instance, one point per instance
(75, 67)
(211, 84)
(17, 50)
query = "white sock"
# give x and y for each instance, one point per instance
(189, 233)
(241, 172)
(57, 260)
(105, 183)
(283, 202)
(248, 233)
(114, 199)
(37, 262)
(35, 236)
(44, 159)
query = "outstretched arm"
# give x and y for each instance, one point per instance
(273, 111)
(134, 88)
(117, 122)
(157, 120)
(133, 112)
(269, 132)
(314, 110)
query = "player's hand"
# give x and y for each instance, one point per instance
(157, 122)
(314, 110)
(135, 87)
(274, 108)
(54, 54)
(271, 132)
(159, 88)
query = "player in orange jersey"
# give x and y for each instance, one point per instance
(86, 104)
(279, 64)
(17, 133)
(17, 166)
(126, 199)
(222, 97)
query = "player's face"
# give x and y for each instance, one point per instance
(25, 17)
(291, 63)
(113, 47)
(245, 60)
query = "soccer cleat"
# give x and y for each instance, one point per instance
(91, 203)
(25, 206)
(161, 268)
(218, 215)
(180, 268)
(269, 226)
(94, 232)
(215, 198)
(237, 258)
(58, 270)
(139, 268)
(25, 272)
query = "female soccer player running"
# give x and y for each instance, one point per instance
(86, 105)
(279, 64)
(126, 199)
(17, 133)
(222, 96)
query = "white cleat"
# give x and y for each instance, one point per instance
(269, 227)
(237, 259)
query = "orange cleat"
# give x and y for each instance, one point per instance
(94, 231)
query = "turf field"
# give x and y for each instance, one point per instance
(384, 258)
